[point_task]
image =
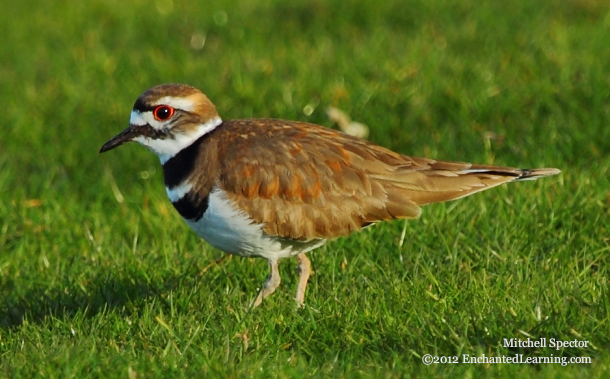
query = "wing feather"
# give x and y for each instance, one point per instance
(303, 181)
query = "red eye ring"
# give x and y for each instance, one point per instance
(163, 112)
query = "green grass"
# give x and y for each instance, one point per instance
(91, 286)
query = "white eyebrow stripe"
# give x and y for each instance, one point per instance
(184, 104)
(136, 118)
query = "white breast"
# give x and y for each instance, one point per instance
(231, 230)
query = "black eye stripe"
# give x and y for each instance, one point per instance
(149, 131)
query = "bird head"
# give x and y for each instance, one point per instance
(166, 119)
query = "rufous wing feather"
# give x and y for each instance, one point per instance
(302, 181)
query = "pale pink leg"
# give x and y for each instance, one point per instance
(304, 270)
(273, 281)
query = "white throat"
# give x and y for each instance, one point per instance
(167, 148)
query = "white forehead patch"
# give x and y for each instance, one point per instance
(183, 103)
(137, 119)
(141, 119)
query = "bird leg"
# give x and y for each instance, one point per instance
(270, 285)
(304, 270)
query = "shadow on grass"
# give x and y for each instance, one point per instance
(99, 294)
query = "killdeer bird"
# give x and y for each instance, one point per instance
(275, 189)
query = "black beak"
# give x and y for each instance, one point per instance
(116, 141)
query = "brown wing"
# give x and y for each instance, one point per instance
(303, 181)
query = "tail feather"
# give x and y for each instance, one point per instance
(444, 181)
(533, 174)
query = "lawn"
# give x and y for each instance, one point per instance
(99, 276)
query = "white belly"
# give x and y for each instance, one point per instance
(232, 231)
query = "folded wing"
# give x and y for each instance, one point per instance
(319, 183)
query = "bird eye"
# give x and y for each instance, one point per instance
(163, 112)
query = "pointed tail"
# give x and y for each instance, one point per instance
(533, 174)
